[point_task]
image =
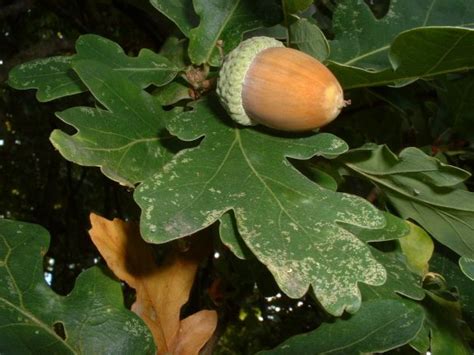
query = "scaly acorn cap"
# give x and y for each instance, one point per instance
(262, 81)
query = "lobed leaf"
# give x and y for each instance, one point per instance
(287, 221)
(31, 314)
(128, 139)
(55, 78)
(52, 77)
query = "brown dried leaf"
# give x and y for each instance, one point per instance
(162, 290)
(195, 331)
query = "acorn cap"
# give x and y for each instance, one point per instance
(232, 75)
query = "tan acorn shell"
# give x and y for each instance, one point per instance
(289, 90)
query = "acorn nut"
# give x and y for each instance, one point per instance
(262, 81)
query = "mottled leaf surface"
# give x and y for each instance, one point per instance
(288, 222)
(422, 188)
(181, 12)
(127, 140)
(400, 279)
(363, 41)
(30, 311)
(380, 325)
(395, 228)
(54, 77)
(226, 21)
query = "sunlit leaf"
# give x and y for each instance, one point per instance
(418, 248)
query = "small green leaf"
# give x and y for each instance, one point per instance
(145, 69)
(226, 21)
(467, 267)
(287, 221)
(390, 324)
(52, 77)
(181, 12)
(421, 188)
(418, 248)
(128, 140)
(92, 315)
(308, 38)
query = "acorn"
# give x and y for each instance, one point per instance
(263, 82)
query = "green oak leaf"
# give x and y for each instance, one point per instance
(287, 221)
(226, 21)
(181, 12)
(143, 70)
(363, 41)
(421, 188)
(128, 139)
(55, 78)
(93, 316)
(308, 38)
(443, 49)
(52, 77)
(467, 267)
(390, 324)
